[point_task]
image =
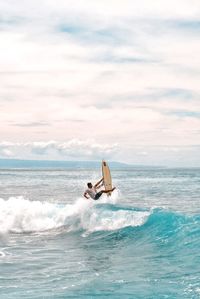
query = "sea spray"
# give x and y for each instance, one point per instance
(20, 215)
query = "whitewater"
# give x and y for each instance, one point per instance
(142, 242)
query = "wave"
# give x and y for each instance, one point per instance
(174, 230)
(20, 215)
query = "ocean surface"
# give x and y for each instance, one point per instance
(143, 242)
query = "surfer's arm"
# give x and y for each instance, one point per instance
(97, 185)
(85, 195)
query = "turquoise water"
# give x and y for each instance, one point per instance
(143, 242)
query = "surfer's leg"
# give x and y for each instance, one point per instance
(98, 195)
(107, 191)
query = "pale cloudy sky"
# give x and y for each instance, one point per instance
(96, 79)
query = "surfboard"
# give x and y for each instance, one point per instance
(107, 180)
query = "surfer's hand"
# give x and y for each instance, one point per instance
(85, 195)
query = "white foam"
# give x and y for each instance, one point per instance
(19, 215)
(113, 199)
(113, 220)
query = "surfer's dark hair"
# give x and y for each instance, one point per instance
(89, 185)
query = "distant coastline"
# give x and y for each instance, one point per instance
(26, 164)
(19, 163)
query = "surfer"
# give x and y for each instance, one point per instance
(91, 191)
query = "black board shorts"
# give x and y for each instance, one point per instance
(98, 194)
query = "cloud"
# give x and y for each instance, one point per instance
(31, 124)
(71, 149)
(6, 153)
(5, 149)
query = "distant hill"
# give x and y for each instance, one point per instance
(15, 163)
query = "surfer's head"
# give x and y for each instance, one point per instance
(89, 185)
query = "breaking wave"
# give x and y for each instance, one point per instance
(20, 215)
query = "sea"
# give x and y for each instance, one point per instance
(142, 242)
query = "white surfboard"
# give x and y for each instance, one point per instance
(107, 180)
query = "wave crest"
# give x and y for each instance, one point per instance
(21, 215)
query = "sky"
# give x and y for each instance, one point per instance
(96, 79)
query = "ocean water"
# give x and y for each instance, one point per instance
(143, 242)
